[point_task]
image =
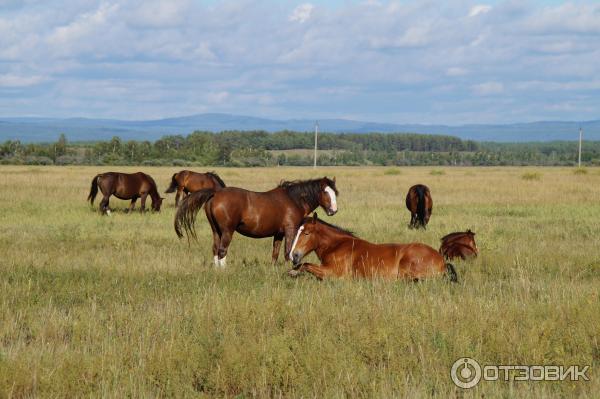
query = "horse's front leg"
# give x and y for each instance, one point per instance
(290, 234)
(277, 238)
(320, 272)
(132, 205)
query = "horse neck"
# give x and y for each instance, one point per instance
(154, 193)
(329, 240)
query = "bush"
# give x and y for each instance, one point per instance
(531, 176)
(392, 172)
(437, 172)
(32, 160)
(580, 171)
(66, 160)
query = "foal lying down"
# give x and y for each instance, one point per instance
(343, 254)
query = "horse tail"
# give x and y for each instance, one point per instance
(173, 185)
(451, 272)
(187, 211)
(93, 189)
(421, 204)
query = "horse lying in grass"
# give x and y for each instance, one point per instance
(343, 254)
(125, 186)
(186, 182)
(459, 245)
(276, 213)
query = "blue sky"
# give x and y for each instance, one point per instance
(454, 62)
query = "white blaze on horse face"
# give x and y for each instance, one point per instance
(108, 212)
(216, 260)
(331, 193)
(296, 240)
(223, 262)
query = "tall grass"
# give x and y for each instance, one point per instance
(117, 306)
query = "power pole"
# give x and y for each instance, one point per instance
(580, 137)
(316, 134)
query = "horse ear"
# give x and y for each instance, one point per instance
(333, 179)
(315, 217)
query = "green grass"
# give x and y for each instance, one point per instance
(437, 172)
(117, 306)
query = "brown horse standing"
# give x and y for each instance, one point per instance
(459, 245)
(343, 254)
(186, 182)
(276, 213)
(125, 186)
(420, 204)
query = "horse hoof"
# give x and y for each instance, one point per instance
(293, 273)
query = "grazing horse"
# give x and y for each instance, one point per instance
(125, 186)
(419, 203)
(186, 182)
(459, 245)
(276, 213)
(343, 254)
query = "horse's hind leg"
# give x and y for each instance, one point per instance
(413, 219)
(226, 237)
(178, 195)
(104, 205)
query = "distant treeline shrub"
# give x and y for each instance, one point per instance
(259, 148)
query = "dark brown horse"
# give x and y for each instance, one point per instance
(460, 244)
(186, 182)
(276, 213)
(125, 186)
(343, 254)
(420, 204)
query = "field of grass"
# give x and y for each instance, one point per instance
(118, 306)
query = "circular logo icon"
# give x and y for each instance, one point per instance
(466, 372)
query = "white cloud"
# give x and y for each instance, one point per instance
(488, 88)
(10, 80)
(126, 58)
(302, 13)
(479, 9)
(456, 71)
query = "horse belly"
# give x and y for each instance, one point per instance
(377, 261)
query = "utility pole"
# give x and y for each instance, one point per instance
(580, 137)
(316, 134)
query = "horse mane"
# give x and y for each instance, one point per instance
(306, 191)
(333, 226)
(456, 234)
(217, 178)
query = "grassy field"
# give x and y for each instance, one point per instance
(118, 306)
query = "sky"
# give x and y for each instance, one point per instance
(452, 62)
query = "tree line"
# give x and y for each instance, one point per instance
(259, 148)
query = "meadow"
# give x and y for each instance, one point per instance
(117, 306)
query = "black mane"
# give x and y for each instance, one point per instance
(217, 178)
(306, 191)
(333, 226)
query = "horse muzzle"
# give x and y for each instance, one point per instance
(330, 212)
(296, 259)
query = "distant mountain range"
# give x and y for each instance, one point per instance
(83, 129)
